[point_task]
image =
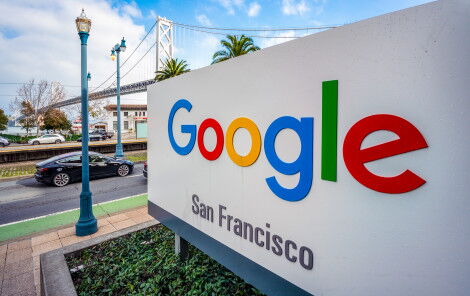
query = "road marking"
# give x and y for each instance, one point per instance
(66, 211)
(133, 176)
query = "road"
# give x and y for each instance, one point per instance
(26, 198)
(23, 147)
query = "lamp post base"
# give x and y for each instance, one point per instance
(87, 223)
(119, 151)
(83, 228)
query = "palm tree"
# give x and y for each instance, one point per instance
(172, 68)
(235, 46)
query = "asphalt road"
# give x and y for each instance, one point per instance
(26, 198)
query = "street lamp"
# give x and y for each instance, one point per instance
(115, 55)
(87, 222)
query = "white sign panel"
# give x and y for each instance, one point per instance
(338, 161)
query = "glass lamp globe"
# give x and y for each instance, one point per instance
(83, 23)
(122, 47)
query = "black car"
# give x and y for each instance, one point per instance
(63, 169)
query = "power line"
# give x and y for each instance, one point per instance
(21, 83)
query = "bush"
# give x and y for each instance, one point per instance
(18, 139)
(144, 263)
(72, 137)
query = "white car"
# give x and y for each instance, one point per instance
(47, 139)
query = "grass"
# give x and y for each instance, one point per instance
(137, 157)
(144, 263)
(15, 171)
(52, 221)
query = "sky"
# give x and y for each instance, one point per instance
(38, 38)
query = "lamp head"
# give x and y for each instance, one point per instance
(113, 54)
(83, 23)
(122, 47)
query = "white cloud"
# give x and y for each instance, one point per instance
(292, 7)
(201, 52)
(230, 5)
(46, 46)
(203, 20)
(274, 41)
(253, 9)
(131, 9)
(152, 14)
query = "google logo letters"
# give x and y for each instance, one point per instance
(409, 139)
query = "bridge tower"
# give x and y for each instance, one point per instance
(164, 41)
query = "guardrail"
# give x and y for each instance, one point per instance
(38, 152)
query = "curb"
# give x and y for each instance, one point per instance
(55, 274)
(15, 178)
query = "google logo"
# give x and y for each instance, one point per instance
(409, 139)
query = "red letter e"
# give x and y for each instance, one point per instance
(410, 139)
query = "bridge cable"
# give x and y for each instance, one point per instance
(256, 30)
(122, 64)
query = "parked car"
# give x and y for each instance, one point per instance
(145, 170)
(104, 133)
(99, 134)
(92, 137)
(62, 169)
(4, 142)
(47, 139)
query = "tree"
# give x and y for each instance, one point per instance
(235, 46)
(3, 120)
(54, 119)
(41, 96)
(96, 109)
(172, 68)
(27, 111)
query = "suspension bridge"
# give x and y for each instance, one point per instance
(160, 42)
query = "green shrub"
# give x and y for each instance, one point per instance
(144, 263)
(72, 137)
(17, 139)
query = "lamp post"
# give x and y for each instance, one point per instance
(115, 51)
(87, 222)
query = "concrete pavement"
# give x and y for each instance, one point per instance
(19, 259)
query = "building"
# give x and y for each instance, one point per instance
(131, 117)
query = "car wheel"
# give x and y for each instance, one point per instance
(36, 143)
(123, 170)
(61, 179)
(57, 141)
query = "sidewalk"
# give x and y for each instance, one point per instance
(19, 260)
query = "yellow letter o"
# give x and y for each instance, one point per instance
(250, 126)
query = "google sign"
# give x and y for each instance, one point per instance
(332, 164)
(410, 139)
